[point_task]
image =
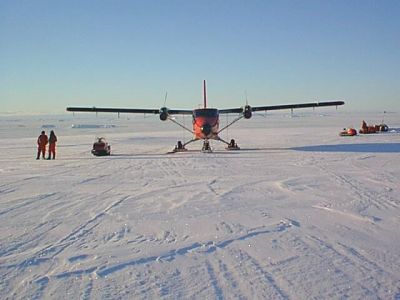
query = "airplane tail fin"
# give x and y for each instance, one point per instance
(205, 94)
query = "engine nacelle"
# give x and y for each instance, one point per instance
(247, 113)
(163, 113)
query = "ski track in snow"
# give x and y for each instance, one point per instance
(264, 223)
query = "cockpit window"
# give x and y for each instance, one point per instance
(206, 112)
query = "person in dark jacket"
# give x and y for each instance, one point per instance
(52, 145)
(42, 142)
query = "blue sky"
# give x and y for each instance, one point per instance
(118, 53)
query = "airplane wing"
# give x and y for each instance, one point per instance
(280, 107)
(130, 110)
(190, 112)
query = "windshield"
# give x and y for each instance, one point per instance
(206, 112)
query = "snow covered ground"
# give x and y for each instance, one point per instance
(299, 213)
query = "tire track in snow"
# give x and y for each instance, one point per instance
(51, 251)
(24, 244)
(194, 248)
(48, 253)
(366, 196)
(372, 198)
(5, 189)
(227, 279)
(316, 261)
(28, 240)
(243, 187)
(27, 201)
(87, 290)
(172, 286)
(370, 277)
(66, 169)
(262, 283)
(218, 290)
(359, 258)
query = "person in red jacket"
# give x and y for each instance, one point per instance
(42, 142)
(52, 145)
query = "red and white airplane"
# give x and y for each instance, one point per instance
(205, 120)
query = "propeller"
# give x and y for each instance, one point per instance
(165, 99)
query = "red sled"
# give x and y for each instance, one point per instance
(348, 132)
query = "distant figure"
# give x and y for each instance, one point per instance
(42, 142)
(52, 145)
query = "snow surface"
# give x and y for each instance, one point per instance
(299, 213)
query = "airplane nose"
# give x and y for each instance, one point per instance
(206, 129)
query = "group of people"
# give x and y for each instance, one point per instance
(42, 142)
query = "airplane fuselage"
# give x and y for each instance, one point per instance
(205, 123)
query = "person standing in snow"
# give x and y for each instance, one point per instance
(42, 142)
(52, 145)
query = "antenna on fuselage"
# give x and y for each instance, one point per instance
(205, 94)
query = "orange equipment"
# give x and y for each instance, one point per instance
(348, 132)
(367, 129)
(373, 129)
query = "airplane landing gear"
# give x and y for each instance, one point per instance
(179, 147)
(232, 145)
(206, 146)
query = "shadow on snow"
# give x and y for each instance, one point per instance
(365, 147)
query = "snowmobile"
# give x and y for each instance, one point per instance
(101, 147)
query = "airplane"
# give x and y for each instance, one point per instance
(205, 120)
